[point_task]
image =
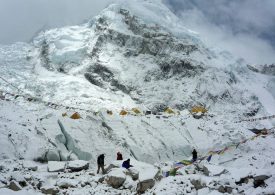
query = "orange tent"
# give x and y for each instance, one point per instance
(123, 112)
(76, 115)
(197, 109)
(136, 111)
(169, 111)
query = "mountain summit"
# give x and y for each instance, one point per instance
(142, 60)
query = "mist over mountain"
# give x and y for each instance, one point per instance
(245, 28)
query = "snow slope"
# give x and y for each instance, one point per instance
(134, 54)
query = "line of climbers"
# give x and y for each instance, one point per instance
(126, 164)
(100, 162)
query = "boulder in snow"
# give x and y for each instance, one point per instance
(67, 183)
(260, 180)
(225, 189)
(133, 173)
(98, 179)
(213, 170)
(144, 185)
(53, 155)
(19, 177)
(110, 167)
(78, 165)
(49, 190)
(244, 180)
(54, 166)
(197, 184)
(28, 177)
(116, 177)
(191, 169)
(14, 186)
(30, 165)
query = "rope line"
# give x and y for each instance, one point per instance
(55, 105)
(209, 155)
(257, 119)
(11, 84)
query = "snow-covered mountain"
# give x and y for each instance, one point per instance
(135, 54)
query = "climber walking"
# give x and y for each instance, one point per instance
(100, 163)
(195, 155)
(119, 156)
(126, 164)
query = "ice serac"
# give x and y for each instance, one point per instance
(71, 144)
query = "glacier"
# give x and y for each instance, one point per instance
(134, 54)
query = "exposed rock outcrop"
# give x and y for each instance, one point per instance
(78, 165)
(144, 185)
(116, 177)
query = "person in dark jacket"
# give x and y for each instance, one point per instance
(195, 155)
(100, 163)
(126, 164)
(119, 156)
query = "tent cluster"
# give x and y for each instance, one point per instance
(209, 155)
(123, 112)
(138, 112)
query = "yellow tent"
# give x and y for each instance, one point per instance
(169, 111)
(136, 111)
(110, 112)
(197, 109)
(76, 115)
(123, 112)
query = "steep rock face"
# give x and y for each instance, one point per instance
(264, 69)
(121, 53)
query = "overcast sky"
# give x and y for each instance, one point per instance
(21, 19)
(244, 27)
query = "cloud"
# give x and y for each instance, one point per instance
(246, 28)
(21, 19)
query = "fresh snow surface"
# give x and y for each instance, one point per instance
(6, 191)
(135, 54)
(55, 166)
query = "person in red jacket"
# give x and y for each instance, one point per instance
(119, 156)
